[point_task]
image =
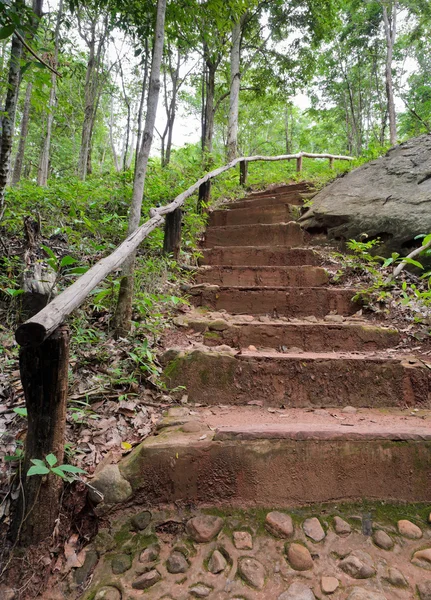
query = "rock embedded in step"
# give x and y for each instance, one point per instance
(349, 410)
(298, 591)
(121, 563)
(204, 528)
(396, 578)
(107, 592)
(334, 319)
(422, 559)
(82, 573)
(313, 529)
(218, 325)
(252, 572)
(409, 530)
(383, 540)
(177, 563)
(192, 427)
(299, 557)
(242, 540)
(279, 524)
(341, 527)
(147, 580)
(329, 585)
(359, 593)
(358, 567)
(200, 591)
(217, 563)
(141, 521)
(111, 484)
(424, 590)
(103, 542)
(150, 554)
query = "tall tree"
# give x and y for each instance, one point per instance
(25, 118)
(390, 9)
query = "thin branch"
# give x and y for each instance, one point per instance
(33, 53)
(402, 264)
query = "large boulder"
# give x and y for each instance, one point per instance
(388, 198)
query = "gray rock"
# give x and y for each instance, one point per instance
(108, 592)
(147, 580)
(111, 484)
(252, 572)
(103, 542)
(217, 563)
(424, 590)
(141, 521)
(349, 410)
(200, 591)
(81, 574)
(177, 563)
(279, 524)
(299, 557)
(329, 584)
(150, 554)
(242, 540)
(383, 540)
(313, 529)
(121, 563)
(357, 567)
(396, 578)
(422, 558)
(204, 528)
(389, 198)
(297, 591)
(358, 593)
(341, 527)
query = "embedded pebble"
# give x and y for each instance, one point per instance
(299, 557)
(409, 530)
(298, 591)
(424, 590)
(242, 540)
(121, 563)
(200, 591)
(252, 572)
(329, 584)
(107, 592)
(349, 410)
(204, 528)
(396, 578)
(364, 594)
(150, 554)
(177, 563)
(357, 568)
(341, 527)
(147, 580)
(141, 521)
(192, 427)
(279, 524)
(313, 529)
(383, 540)
(422, 559)
(217, 563)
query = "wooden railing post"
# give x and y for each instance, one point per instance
(172, 239)
(243, 172)
(44, 376)
(299, 164)
(331, 163)
(204, 195)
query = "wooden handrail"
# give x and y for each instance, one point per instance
(34, 331)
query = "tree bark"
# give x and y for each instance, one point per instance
(235, 79)
(172, 239)
(42, 174)
(390, 23)
(125, 299)
(19, 159)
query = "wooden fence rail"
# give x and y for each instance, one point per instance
(34, 331)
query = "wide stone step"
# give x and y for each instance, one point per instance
(250, 458)
(304, 276)
(280, 234)
(301, 379)
(303, 186)
(279, 213)
(314, 336)
(259, 202)
(283, 302)
(261, 256)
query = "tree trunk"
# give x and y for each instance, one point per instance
(42, 174)
(124, 306)
(235, 78)
(207, 144)
(111, 138)
(19, 159)
(390, 33)
(141, 105)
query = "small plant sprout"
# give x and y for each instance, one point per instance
(49, 465)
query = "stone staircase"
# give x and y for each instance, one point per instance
(291, 397)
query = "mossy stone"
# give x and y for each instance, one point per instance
(121, 563)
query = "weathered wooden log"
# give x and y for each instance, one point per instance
(44, 376)
(331, 163)
(172, 239)
(243, 172)
(299, 164)
(204, 195)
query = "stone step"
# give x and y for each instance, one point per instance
(300, 379)
(283, 302)
(280, 234)
(303, 186)
(304, 276)
(251, 458)
(317, 337)
(278, 213)
(256, 257)
(256, 202)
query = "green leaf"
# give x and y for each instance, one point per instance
(37, 470)
(51, 460)
(58, 472)
(22, 412)
(415, 263)
(71, 469)
(38, 462)
(67, 260)
(13, 292)
(6, 31)
(77, 270)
